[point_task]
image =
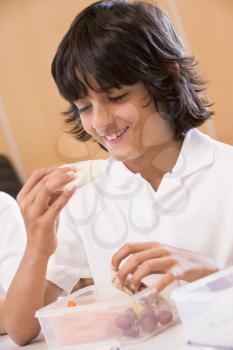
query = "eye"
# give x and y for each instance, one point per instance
(118, 98)
(84, 108)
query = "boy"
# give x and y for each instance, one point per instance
(165, 193)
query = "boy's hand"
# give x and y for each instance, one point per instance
(41, 200)
(154, 258)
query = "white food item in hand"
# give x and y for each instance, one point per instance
(87, 171)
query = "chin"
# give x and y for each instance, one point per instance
(125, 155)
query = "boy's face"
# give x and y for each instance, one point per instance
(125, 121)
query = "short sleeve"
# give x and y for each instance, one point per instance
(69, 262)
(12, 239)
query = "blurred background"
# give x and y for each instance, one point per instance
(31, 122)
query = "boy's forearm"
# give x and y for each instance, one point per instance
(25, 296)
(2, 305)
(41, 201)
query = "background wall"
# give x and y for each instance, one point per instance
(31, 124)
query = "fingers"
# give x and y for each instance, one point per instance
(147, 258)
(53, 181)
(42, 230)
(137, 261)
(128, 249)
(167, 279)
(49, 188)
(152, 266)
(36, 176)
(49, 184)
(52, 213)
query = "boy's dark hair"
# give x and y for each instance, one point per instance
(119, 43)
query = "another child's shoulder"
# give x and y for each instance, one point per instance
(6, 200)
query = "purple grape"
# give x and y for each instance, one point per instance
(165, 317)
(127, 320)
(128, 323)
(132, 332)
(148, 312)
(148, 325)
(148, 321)
(123, 322)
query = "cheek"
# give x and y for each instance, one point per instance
(155, 130)
(86, 124)
(129, 112)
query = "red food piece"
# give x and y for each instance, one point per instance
(165, 317)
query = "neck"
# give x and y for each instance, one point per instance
(156, 161)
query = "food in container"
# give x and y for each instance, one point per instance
(88, 317)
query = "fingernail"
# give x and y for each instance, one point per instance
(70, 173)
(70, 189)
(130, 276)
(118, 281)
(73, 167)
(113, 268)
(133, 287)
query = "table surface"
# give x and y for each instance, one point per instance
(173, 338)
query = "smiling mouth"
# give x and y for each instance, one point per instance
(114, 137)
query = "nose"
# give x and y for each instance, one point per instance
(101, 118)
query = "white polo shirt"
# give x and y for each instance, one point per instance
(192, 209)
(12, 239)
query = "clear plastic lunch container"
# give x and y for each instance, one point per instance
(206, 309)
(87, 317)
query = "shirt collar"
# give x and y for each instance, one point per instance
(196, 153)
(118, 173)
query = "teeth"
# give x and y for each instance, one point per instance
(111, 137)
(116, 135)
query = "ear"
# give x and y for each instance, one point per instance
(175, 68)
